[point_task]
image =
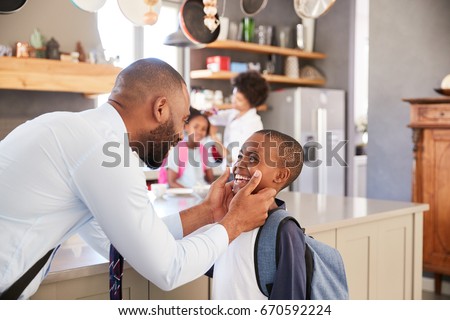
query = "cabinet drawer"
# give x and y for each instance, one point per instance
(434, 114)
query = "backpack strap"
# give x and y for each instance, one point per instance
(16, 289)
(267, 251)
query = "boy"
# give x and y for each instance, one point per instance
(280, 159)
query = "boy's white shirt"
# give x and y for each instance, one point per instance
(234, 271)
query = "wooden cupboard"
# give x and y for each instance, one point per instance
(430, 122)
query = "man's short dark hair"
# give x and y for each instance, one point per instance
(289, 151)
(253, 86)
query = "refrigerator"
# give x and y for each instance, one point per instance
(316, 118)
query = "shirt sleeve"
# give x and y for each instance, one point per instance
(290, 277)
(171, 161)
(116, 195)
(253, 125)
(95, 238)
(222, 118)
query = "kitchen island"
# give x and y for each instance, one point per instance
(380, 243)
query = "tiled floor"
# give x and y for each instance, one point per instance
(427, 295)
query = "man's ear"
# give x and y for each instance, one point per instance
(282, 176)
(160, 109)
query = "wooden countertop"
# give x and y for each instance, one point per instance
(315, 213)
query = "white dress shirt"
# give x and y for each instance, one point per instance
(60, 171)
(237, 129)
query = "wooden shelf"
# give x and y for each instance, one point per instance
(55, 75)
(226, 75)
(258, 48)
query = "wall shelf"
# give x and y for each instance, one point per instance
(273, 78)
(258, 48)
(55, 75)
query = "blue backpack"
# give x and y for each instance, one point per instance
(325, 273)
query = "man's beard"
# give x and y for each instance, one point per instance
(154, 145)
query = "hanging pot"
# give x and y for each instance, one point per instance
(192, 23)
(138, 12)
(89, 5)
(252, 7)
(312, 8)
(178, 39)
(10, 6)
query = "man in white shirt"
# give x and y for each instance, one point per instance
(62, 173)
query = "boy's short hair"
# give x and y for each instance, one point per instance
(289, 151)
(253, 86)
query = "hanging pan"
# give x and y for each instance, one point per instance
(312, 9)
(141, 12)
(192, 23)
(10, 6)
(252, 7)
(89, 5)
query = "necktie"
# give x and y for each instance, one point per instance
(115, 274)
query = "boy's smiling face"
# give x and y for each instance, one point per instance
(259, 152)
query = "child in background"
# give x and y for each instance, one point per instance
(186, 163)
(280, 159)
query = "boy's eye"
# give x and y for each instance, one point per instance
(240, 156)
(252, 159)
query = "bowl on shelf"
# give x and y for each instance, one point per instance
(445, 92)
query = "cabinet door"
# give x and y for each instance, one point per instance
(395, 259)
(328, 237)
(378, 258)
(358, 248)
(436, 191)
(96, 287)
(194, 290)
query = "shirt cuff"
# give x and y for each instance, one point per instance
(173, 223)
(219, 235)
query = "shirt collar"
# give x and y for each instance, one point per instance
(114, 119)
(280, 205)
(250, 113)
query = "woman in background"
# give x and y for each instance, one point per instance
(250, 90)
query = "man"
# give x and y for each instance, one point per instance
(62, 170)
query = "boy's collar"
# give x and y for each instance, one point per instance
(280, 205)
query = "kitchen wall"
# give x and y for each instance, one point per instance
(67, 24)
(409, 56)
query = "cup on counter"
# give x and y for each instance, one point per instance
(158, 189)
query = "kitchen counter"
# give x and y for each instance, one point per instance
(331, 219)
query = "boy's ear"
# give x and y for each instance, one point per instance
(160, 109)
(282, 175)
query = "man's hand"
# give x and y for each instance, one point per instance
(219, 196)
(246, 210)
